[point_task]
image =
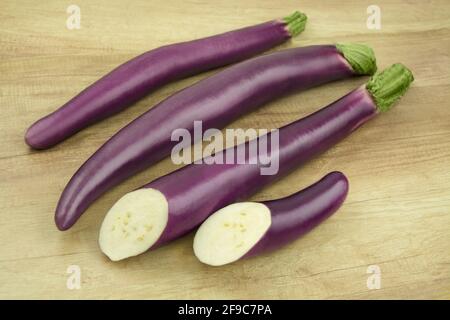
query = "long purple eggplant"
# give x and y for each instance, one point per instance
(153, 69)
(174, 204)
(216, 101)
(246, 229)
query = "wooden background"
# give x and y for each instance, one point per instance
(397, 215)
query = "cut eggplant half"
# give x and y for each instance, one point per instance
(134, 224)
(231, 232)
(250, 228)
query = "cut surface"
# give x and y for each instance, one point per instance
(133, 224)
(231, 232)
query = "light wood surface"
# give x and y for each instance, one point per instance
(397, 215)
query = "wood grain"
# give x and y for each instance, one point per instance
(397, 215)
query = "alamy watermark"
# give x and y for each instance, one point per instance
(374, 280)
(262, 148)
(374, 19)
(74, 280)
(74, 19)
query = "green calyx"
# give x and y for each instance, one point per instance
(359, 56)
(295, 23)
(389, 86)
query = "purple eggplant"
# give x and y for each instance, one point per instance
(216, 101)
(134, 79)
(174, 204)
(246, 229)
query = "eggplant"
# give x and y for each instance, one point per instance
(246, 229)
(145, 73)
(176, 203)
(215, 101)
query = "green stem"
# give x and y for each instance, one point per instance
(361, 57)
(389, 86)
(295, 23)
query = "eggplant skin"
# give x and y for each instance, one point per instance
(134, 79)
(196, 191)
(299, 213)
(216, 101)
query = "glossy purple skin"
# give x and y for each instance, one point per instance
(297, 214)
(149, 71)
(216, 101)
(196, 191)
